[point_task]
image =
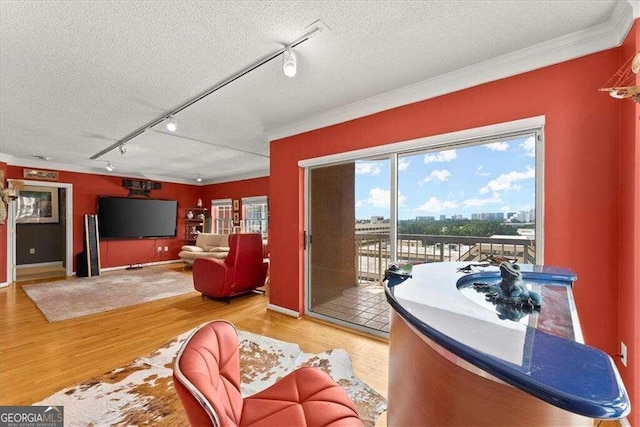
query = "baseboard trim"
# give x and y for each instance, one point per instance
(148, 264)
(4, 284)
(283, 310)
(40, 264)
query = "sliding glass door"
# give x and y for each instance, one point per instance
(469, 203)
(463, 200)
(348, 243)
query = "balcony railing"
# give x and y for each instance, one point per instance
(373, 251)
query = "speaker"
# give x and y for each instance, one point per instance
(88, 261)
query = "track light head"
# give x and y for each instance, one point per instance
(110, 167)
(289, 64)
(171, 125)
(123, 149)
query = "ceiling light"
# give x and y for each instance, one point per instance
(289, 66)
(110, 167)
(199, 179)
(123, 149)
(171, 125)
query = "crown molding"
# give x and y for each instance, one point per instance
(635, 5)
(600, 37)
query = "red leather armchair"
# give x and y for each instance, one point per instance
(206, 376)
(242, 271)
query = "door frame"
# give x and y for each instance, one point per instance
(11, 227)
(534, 125)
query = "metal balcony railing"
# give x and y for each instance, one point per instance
(373, 254)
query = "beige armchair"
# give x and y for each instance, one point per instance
(208, 245)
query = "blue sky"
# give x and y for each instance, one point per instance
(495, 177)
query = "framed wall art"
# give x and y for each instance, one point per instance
(40, 174)
(236, 205)
(37, 205)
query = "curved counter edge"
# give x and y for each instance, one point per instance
(614, 408)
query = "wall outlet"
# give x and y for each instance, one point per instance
(159, 248)
(166, 248)
(32, 251)
(623, 353)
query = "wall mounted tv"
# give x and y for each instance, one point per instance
(128, 218)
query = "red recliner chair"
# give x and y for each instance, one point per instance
(242, 271)
(206, 376)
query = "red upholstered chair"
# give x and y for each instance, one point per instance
(242, 271)
(206, 376)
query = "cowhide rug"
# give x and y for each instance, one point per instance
(142, 392)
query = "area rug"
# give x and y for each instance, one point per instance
(66, 299)
(142, 392)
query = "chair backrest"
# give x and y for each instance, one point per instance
(245, 257)
(206, 376)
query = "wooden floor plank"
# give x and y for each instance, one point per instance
(38, 358)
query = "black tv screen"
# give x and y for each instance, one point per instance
(125, 218)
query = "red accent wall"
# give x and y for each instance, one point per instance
(114, 253)
(582, 160)
(629, 273)
(236, 189)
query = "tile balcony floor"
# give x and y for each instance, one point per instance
(364, 305)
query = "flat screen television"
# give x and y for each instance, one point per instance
(126, 218)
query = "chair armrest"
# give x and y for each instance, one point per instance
(210, 276)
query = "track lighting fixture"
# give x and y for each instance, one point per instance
(123, 149)
(171, 125)
(110, 167)
(289, 65)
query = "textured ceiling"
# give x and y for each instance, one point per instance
(77, 76)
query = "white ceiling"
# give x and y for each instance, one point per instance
(77, 76)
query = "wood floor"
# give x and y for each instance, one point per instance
(38, 358)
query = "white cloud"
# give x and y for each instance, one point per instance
(477, 202)
(508, 181)
(379, 198)
(403, 164)
(529, 146)
(498, 146)
(505, 209)
(435, 205)
(444, 156)
(440, 175)
(479, 171)
(368, 168)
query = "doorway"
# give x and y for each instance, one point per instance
(348, 243)
(63, 224)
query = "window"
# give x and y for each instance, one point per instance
(255, 214)
(469, 201)
(222, 216)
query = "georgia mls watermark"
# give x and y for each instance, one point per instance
(31, 416)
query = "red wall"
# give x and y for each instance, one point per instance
(582, 149)
(114, 253)
(236, 189)
(629, 273)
